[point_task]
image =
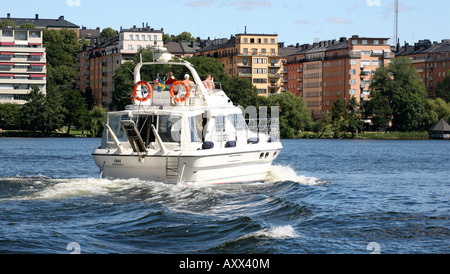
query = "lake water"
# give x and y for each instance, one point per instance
(322, 196)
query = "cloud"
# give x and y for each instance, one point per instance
(352, 8)
(389, 10)
(335, 20)
(250, 4)
(373, 3)
(200, 3)
(73, 3)
(302, 22)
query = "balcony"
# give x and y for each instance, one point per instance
(245, 75)
(244, 65)
(274, 75)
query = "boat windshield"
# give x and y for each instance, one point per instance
(116, 127)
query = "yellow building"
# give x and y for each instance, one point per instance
(251, 56)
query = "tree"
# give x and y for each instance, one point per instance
(435, 110)
(62, 47)
(7, 23)
(76, 110)
(53, 111)
(400, 87)
(9, 116)
(33, 112)
(109, 32)
(337, 116)
(352, 118)
(123, 86)
(443, 88)
(97, 119)
(182, 37)
(294, 115)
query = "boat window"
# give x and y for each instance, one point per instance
(220, 123)
(169, 128)
(196, 128)
(116, 127)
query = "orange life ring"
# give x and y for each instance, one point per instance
(178, 83)
(144, 99)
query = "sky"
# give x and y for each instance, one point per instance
(295, 21)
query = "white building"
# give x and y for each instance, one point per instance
(134, 39)
(22, 64)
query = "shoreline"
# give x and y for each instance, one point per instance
(304, 135)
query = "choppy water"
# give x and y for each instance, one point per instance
(322, 196)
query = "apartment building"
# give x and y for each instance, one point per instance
(324, 71)
(251, 56)
(22, 64)
(432, 61)
(96, 63)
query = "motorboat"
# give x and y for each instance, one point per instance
(186, 133)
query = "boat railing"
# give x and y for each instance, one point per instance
(269, 127)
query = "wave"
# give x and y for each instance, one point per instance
(276, 232)
(280, 173)
(46, 188)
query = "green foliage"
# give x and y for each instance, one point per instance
(399, 92)
(32, 113)
(123, 86)
(97, 120)
(182, 37)
(443, 88)
(7, 23)
(53, 111)
(108, 32)
(9, 116)
(76, 110)
(294, 115)
(62, 47)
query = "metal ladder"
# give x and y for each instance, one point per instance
(172, 168)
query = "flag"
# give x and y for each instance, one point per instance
(161, 86)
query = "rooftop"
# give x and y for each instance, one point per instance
(42, 23)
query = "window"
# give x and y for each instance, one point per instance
(35, 34)
(266, 41)
(364, 42)
(245, 40)
(131, 36)
(352, 81)
(155, 37)
(149, 37)
(143, 37)
(272, 41)
(130, 47)
(352, 92)
(353, 72)
(260, 61)
(245, 51)
(352, 61)
(137, 37)
(260, 71)
(354, 42)
(259, 81)
(376, 42)
(7, 33)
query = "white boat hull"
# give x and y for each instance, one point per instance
(220, 167)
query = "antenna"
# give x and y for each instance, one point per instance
(396, 39)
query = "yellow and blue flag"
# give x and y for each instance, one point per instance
(161, 86)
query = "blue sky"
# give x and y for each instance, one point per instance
(295, 21)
